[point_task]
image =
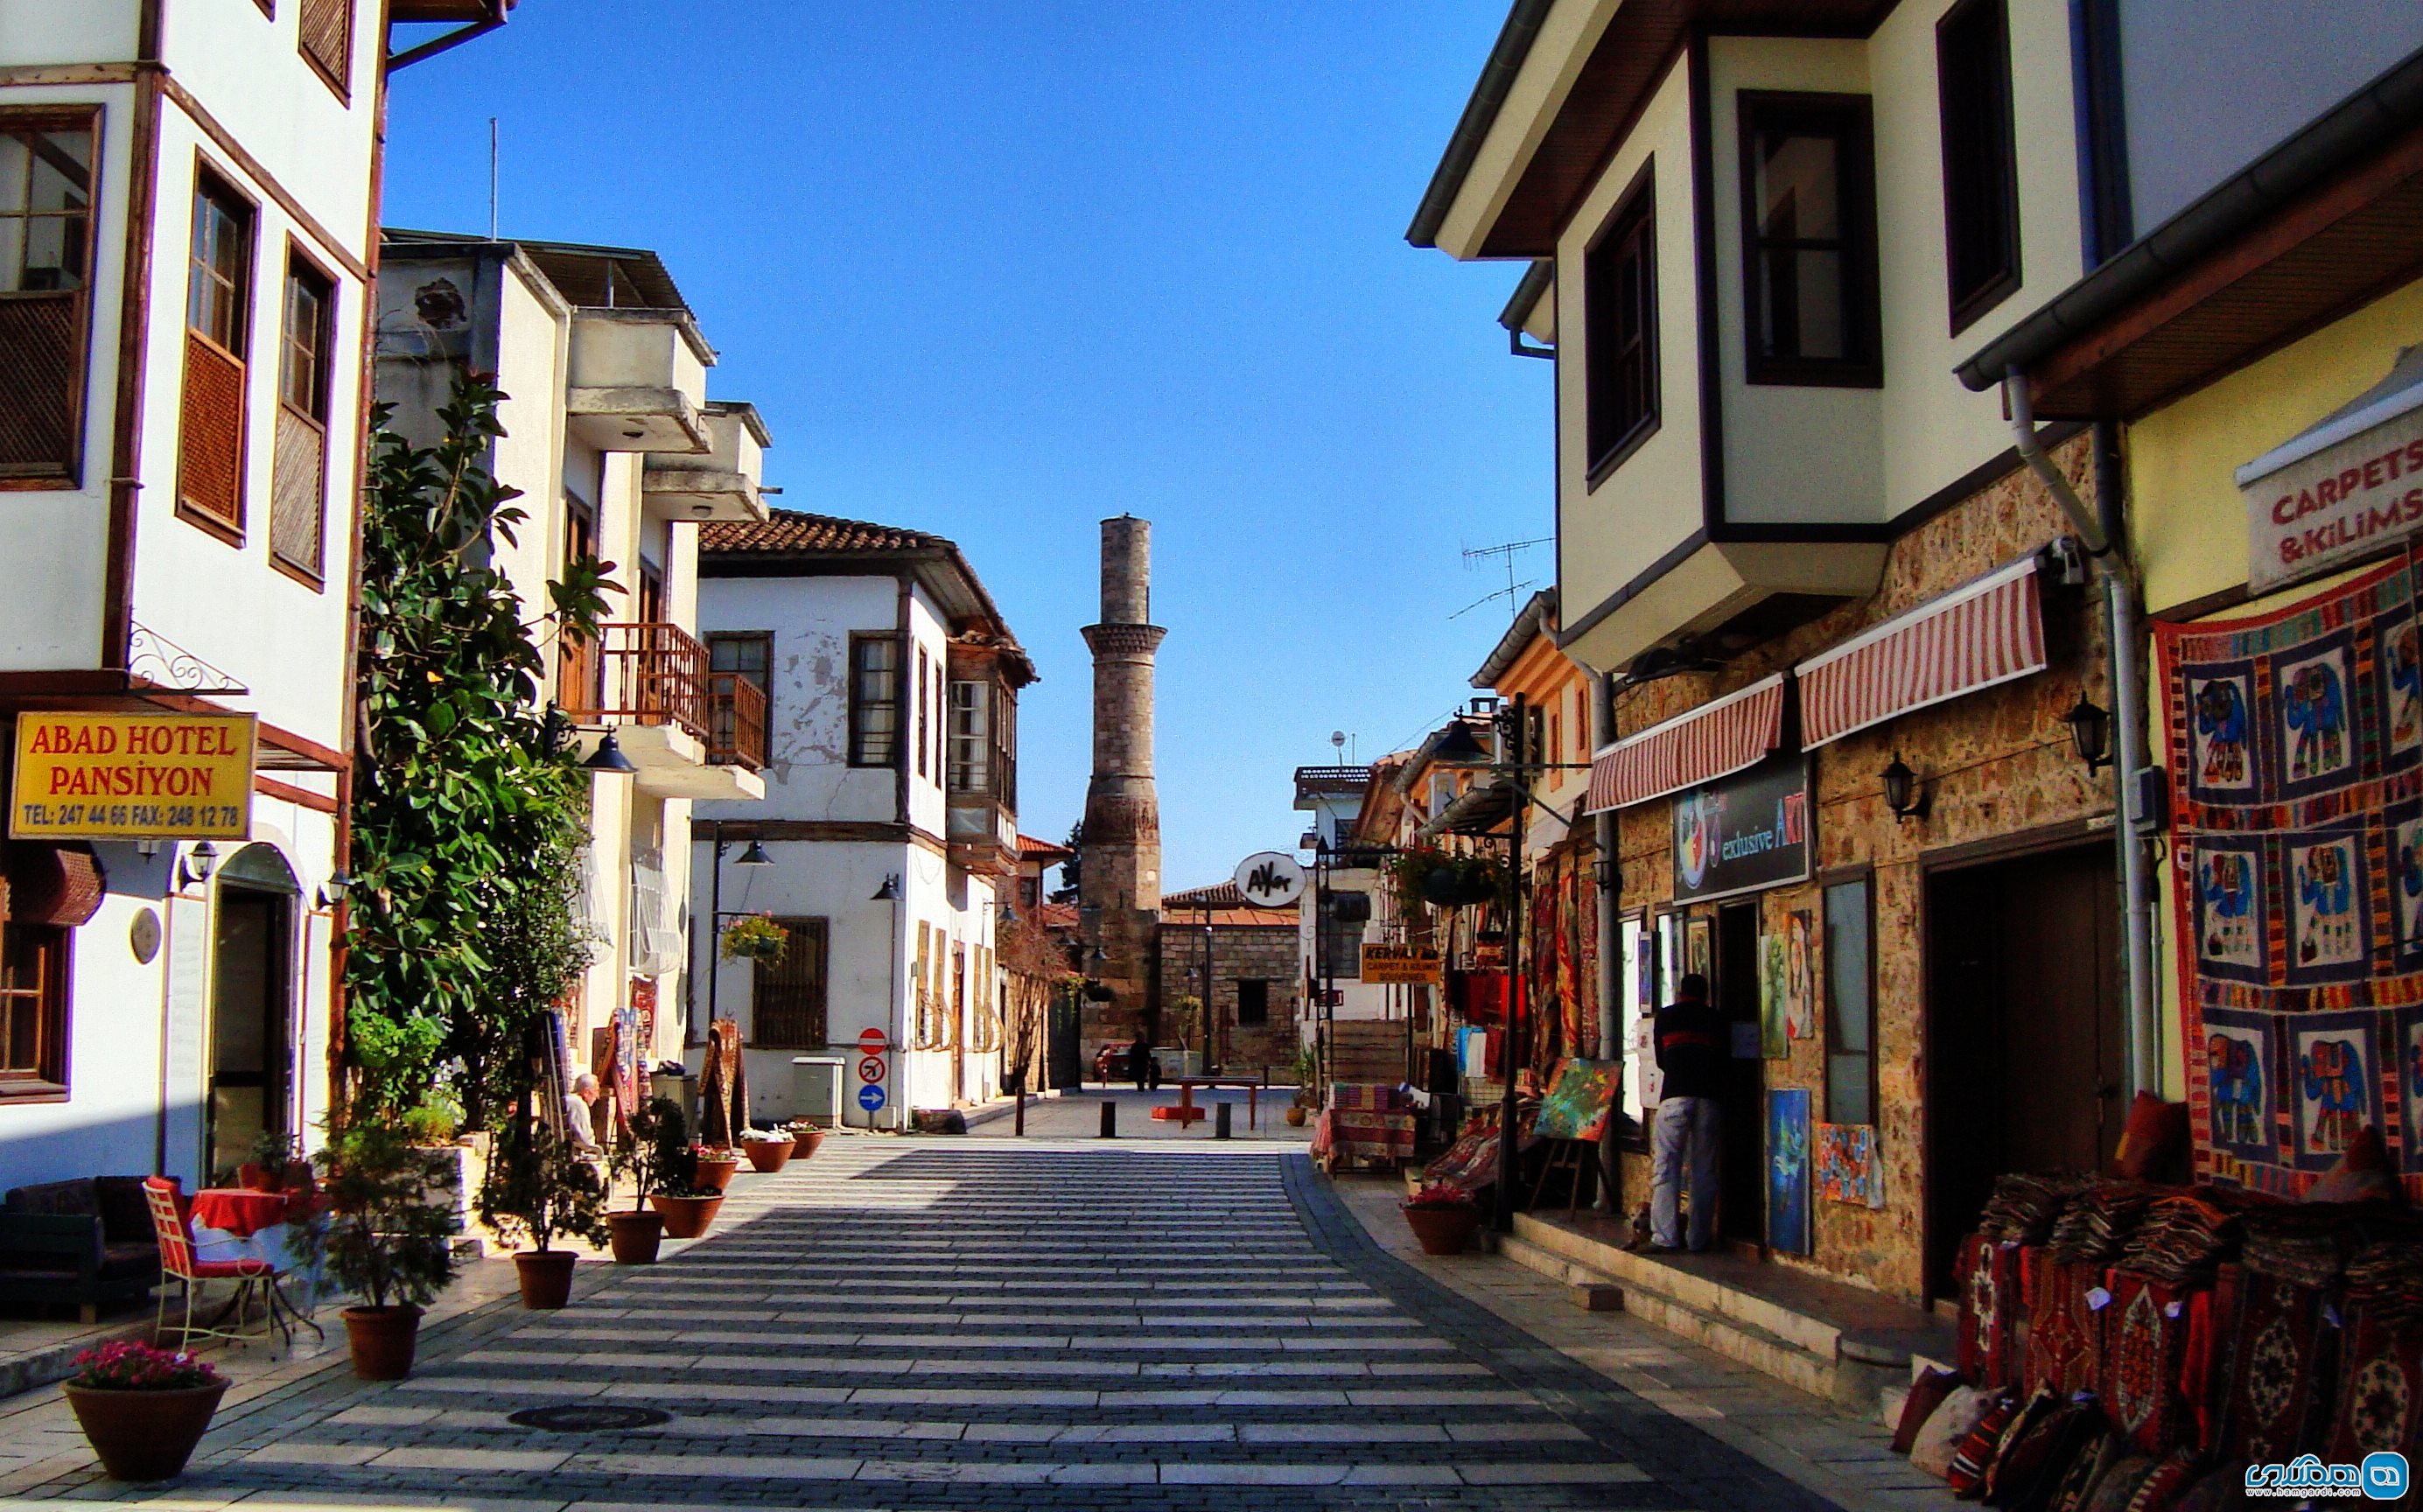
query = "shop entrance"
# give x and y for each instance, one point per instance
(2025, 1040)
(250, 998)
(1742, 1219)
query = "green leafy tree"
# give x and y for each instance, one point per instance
(469, 810)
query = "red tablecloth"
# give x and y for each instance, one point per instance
(239, 1211)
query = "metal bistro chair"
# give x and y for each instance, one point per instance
(179, 1257)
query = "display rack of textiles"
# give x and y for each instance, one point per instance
(1365, 1121)
(1471, 1162)
(2123, 1344)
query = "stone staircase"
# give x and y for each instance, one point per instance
(1853, 1347)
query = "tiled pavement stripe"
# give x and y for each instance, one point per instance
(1674, 1452)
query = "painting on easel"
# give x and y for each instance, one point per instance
(1579, 1100)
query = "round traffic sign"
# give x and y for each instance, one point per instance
(870, 1096)
(872, 1041)
(870, 1068)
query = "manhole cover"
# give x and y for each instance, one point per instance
(583, 1417)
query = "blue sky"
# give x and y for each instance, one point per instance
(999, 272)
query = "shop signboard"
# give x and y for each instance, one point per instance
(132, 776)
(1746, 832)
(2343, 490)
(1404, 965)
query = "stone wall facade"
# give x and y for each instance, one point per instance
(1240, 953)
(1992, 766)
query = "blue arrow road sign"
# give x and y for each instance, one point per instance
(870, 1096)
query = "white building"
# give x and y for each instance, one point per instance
(891, 683)
(618, 453)
(188, 195)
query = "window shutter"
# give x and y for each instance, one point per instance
(326, 29)
(38, 368)
(296, 486)
(210, 471)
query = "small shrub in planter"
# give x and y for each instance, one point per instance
(640, 1156)
(686, 1206)
(143, 1410)
(273, 1157)
(808, 1139)
(1443, 1216)
(381, 1238)
(540, 1189)
(716, 1164)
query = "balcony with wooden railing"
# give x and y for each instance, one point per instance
(656, 675)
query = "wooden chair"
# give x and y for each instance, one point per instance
(180, 1258)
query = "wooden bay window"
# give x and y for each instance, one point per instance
(1620, 320)
(218, 310)
(298, 479)
(46, 249)
(1809, 247)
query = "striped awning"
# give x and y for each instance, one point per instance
(1712, 741)
(1983, 632)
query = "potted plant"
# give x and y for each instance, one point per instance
(540, 1189)
(1443, 1216)
(636, 1236)
(754, 937)
(676, 1194)
(716, 1164)
(143, 1410)
(807, 1138)
(382, 1239)
(1307, 1085)
(768, 1149)
(271, 1154)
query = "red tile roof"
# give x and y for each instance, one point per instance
(1225, 900)
(793, 531)
(1030, 848)
(1055, 916)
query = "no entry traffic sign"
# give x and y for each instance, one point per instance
(870, 1068)
(872, 1041)
(871, 1096)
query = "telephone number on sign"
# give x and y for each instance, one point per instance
(163, 816)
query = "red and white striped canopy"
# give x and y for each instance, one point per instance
(1983, 632)
(1712, 741)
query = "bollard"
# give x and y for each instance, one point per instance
(1110, 1119)
(1019, 1126)
(1220, 1121)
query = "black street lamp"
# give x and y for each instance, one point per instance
(2090, 730)
(753, 856)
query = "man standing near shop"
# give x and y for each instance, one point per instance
(1691, 1039)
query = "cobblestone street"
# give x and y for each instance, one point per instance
(978, 1323)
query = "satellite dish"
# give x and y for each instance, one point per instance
(1269, 879)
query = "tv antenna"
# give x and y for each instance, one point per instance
(1506, 553)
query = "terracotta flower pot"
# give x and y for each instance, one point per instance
(636, 1237)
(145, 1436)
(809, 1141)
(765, 1157)
(716, 1170)
(685, 1218)
(1295, 1117)
(545, 1278)
(382, 1340)
(1441, 1229)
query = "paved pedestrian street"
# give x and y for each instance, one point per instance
(982, 1323)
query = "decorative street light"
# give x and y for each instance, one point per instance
(753, 856)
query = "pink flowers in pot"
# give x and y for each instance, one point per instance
(128, 1366)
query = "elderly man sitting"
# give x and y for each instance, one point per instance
(576, 1126)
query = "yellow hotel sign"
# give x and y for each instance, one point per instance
(1403, 966)
(132, 776)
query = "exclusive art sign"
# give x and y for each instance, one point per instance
(1745, 832)
(132, 776)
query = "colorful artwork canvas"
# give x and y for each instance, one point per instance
(1799, 976)
(1787, 1170)
(2297, 736)
(1847, 1170)
(1579, 1099)
(1774, 1039)
(1698, 946)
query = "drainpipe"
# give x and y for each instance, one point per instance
(1610, 945)
(2097, 527)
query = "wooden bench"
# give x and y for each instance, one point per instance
(68, 1243)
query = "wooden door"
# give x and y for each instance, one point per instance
(2026, 1042)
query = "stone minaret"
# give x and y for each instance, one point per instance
(1121, 876)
